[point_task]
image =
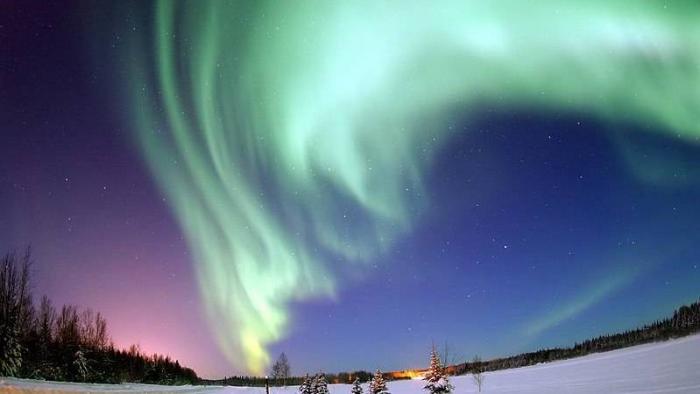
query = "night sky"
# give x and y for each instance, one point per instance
(351, 184)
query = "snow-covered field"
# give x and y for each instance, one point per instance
(667, 367)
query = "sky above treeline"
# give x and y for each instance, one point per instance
(351, 182)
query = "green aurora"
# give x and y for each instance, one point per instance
(258, 121)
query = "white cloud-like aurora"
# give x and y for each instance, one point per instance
(286, 135)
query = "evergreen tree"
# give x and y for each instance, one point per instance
(356, 387)
(43, 344)
(15, 311)
(436, 378)
(378, 385)
(10, 350)
(320, 385)
(306, 386)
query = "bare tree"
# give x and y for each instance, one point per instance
(448, 359)
(67, 327)
(93, 330)
(86, 329)
(478, 372)
(45, 326)
(101, 337)
(280, 369)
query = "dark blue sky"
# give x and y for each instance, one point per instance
(531, 217)
(541, 229)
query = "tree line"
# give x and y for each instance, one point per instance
(280, 376)
(67, 344)
(257, 381)
(684, 321)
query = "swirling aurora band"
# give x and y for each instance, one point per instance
(265, 124)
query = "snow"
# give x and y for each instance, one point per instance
(14, 385)
(666, 367)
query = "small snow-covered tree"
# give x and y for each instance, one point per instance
(320, 385)
(15, 311)
(356, 387)
(80, 364)
(10, 351)
(436, 378)
(306, 386)
(377, 385)
(478, 372)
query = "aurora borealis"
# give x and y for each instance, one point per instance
(306, 148)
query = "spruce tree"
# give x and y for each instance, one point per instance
(320, 385)
(356, 387)
(10, 350)
(378, 385)
(306, 386)
(436, 378)
(15, 311)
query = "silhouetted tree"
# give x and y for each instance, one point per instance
(280, 369)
